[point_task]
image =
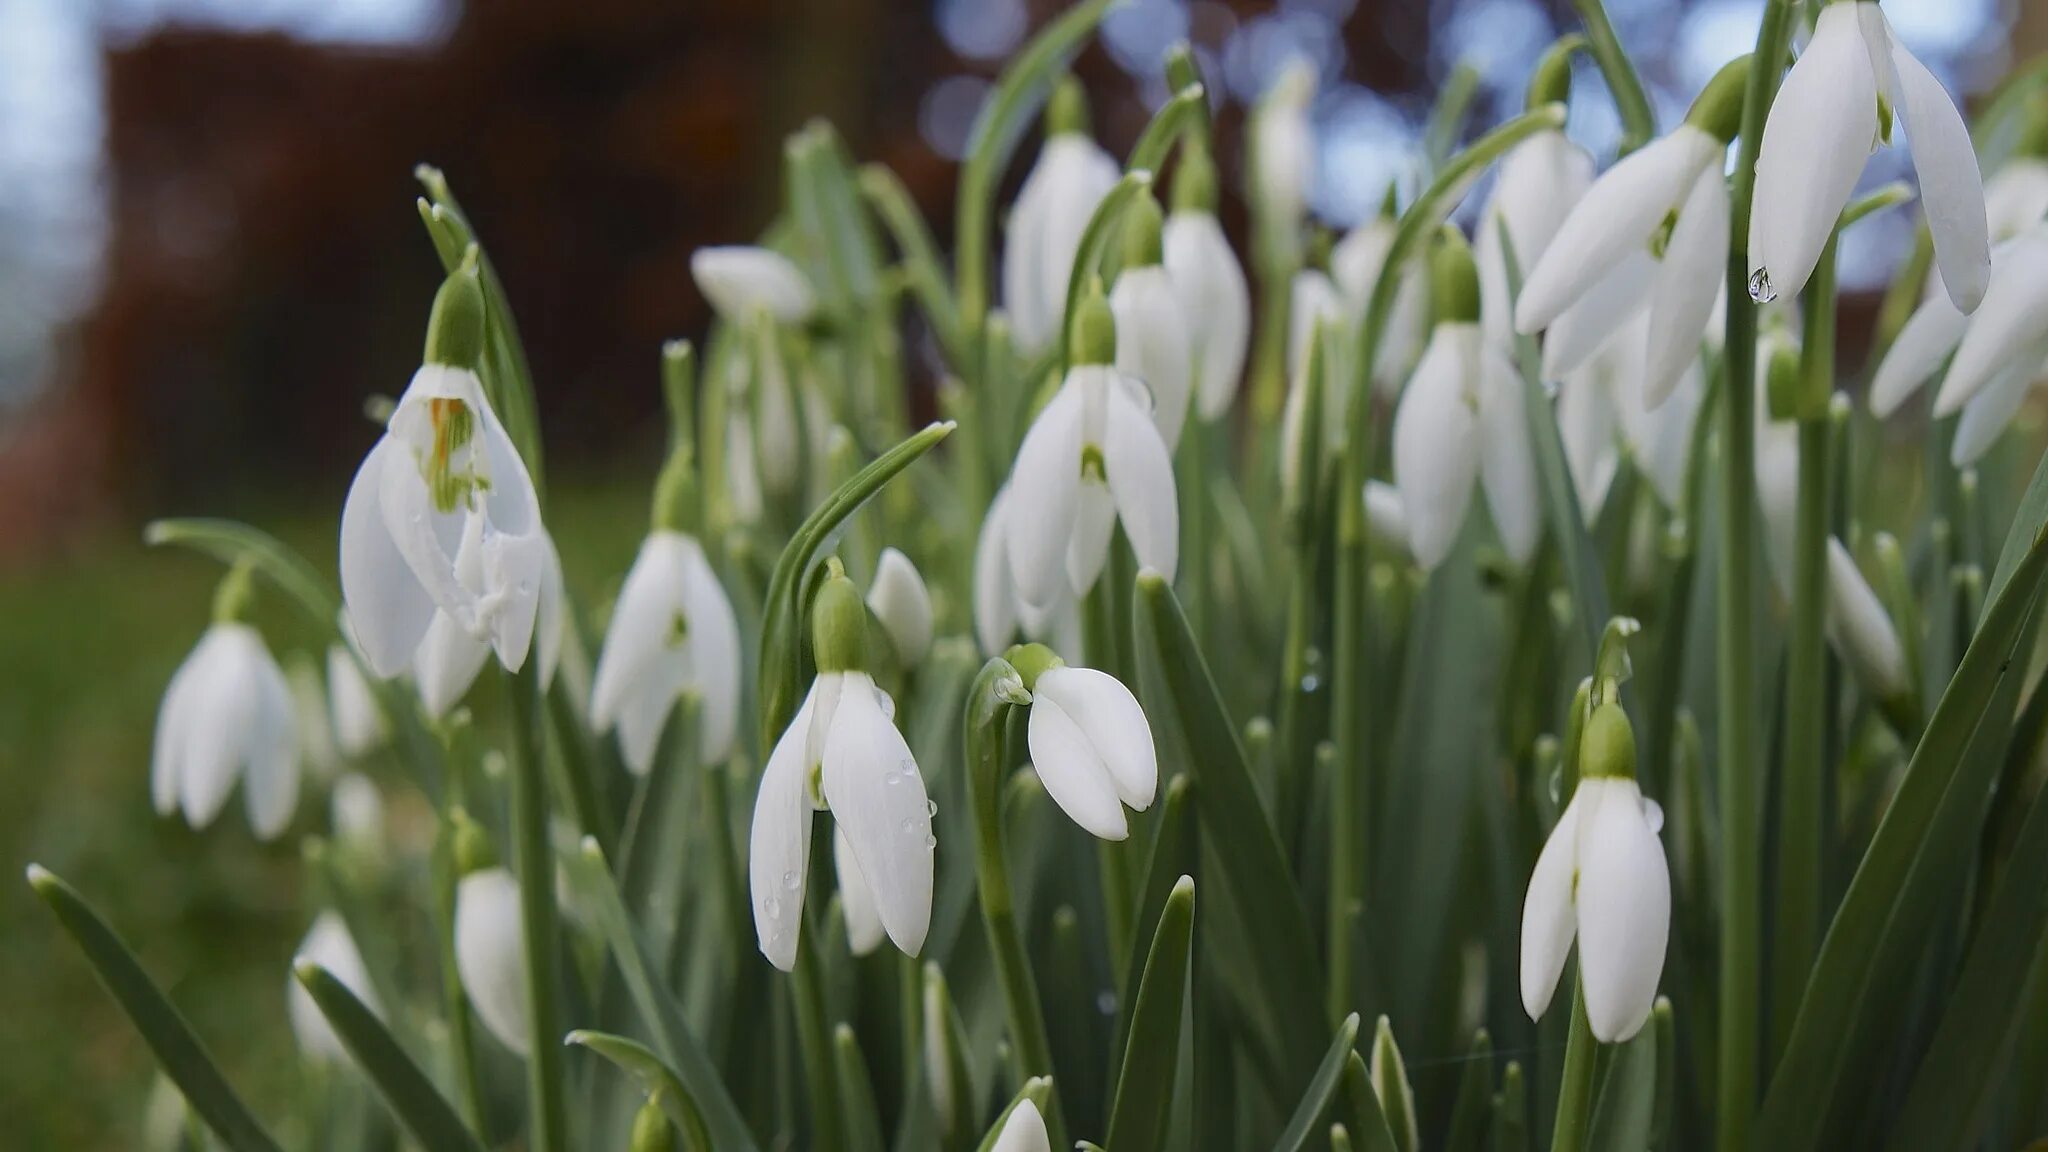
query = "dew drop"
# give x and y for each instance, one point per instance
(1556, 784)
(773, 907)
(931, 807)
(909, 826)
(931, 841)
(789, 881)
(1105, 1002)
(1653, 815)
(1760, 289)
(892, 776)
(1311, 682)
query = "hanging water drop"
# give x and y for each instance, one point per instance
(1760, 289)
(931, 807)
(789, 881)
(1556, 783)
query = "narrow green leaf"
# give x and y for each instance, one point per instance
(863, 1128)
(1628, 1097)
(1511, 1113)
(1173, 856)
(891, 203)
(1094, 244)
(178, 1051)
(1322, 1088)
(232, 542)
(1181, 112)
(1145, 1086)
(1390, 1080)
(2019, 539)
(1369, 1131)
(1447, 117)
(1472, 1112)
(412, 1097)
(656, 1079)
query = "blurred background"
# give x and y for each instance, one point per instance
(210, 257)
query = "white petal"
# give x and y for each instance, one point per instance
(1044, 488)
(227, 702)
(388, 610)
(1986, 415)
(1113, 724)
(1540, 180)
(2016, 196)
(271, 784)
(1385, 516)
(1661, 441)
(779, 842)
(901, 602)
(1094, 528)
(329, 945)
(551, 617)
(173, 728)
(1860, 627)
(1588, 429)
(742, 281)
(1073, 773)
(1606, 307)
(1314, 298)
(714, 644)
(1356, 260)
(878, 799)
(644, 714)
(1624, 904)
(1933, 331)
(1694, 269)
(1024, 1131)
(642, 622)
(863, 921)
(1614, 219)
(356, 809)
(447, 664)
(358, 718)
(1951, 186)
(1215, 306)
(1816, 140)
(1152, 344)
(1548, 921)
(1069, 179)
(490, 954)
(1435, 446)
(1507, 461)
(1140, 475)
(1777, 496)
(2006, 327)
(995, 602)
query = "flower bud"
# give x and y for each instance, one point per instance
(455, 328)
(839, 623)
(1607, 748)
(903, 605)
(1094, 340)
(652, 1131)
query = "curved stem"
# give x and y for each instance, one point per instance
(536, 869)
(1638, 121)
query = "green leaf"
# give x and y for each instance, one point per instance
(1390, 1081)
(2019, 539)
(1145, 1086)
(232, 542)
(1178, 114)
(1322, 1088)
(181, 1055)
(1473, 1110)
(1173, 856)
(1094, 244)
(1511, 1113)
(782, 640)
(591, 878)
(863, 1124)
(1261, 886)
(891, 203)
(656, 1079)
(1628, 1097)
(1795, 1107)
(1368, 1127)
(405, 1089)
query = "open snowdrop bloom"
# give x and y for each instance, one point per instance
(1833, 109)
(227, 716)
(1215, 302)
(447, 664)
(1023, 1131)
(743, 282)
(1601, 409)
(1282, 164)
(1355, 264)
(1069, 179)
(1539, 182)
(443, 516)
(1092, 458)
(328, 944)
(1650, 233)
(903, 605)
(1462, 418)
(490, 954)
(1601, 879)
(1152, 343)
(352, 706)
(672, 631)
(1313, 302)
(842, 753)
(1089, 741)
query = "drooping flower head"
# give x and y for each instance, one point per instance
(1152, 343)
(329, 944)
(1069, 179)
(1282, 164)
(1090, 742)
(1215, 301)
(1355, 265)
(1540, 181)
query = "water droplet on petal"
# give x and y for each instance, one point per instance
(909, 826)
(773, 907)
(1653, 815)
(1556, 784)
(1760, 289)
(789, 881)
(931, 841)
(931, 807)
(1310, 682)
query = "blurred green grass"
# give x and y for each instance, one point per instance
(87, 643)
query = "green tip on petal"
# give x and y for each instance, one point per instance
(455, 327)
(839, 623)
(1139, 232)
(1551, 83)
(1067, 111)
(1094, 330)
(1454, 278)
(1718, 110)
(1194, 180)
(1032, 661)
(1608, 748)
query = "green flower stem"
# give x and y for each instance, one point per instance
(989, 711)
(1193, 463)
(814, 1041)
(1575, 1092)
(461, 1022)
(1095, 241)
(535, 863)
(1638, 122)
(1803, 753)
(1740, 765)
(891, 203)
(1350, 695)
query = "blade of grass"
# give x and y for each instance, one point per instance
(412, 1098)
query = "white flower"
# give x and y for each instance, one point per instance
(864, 931)
(1386, 517)
(490, 954)
(1355, 266)
(1539, 182)
(1092, 458)
(1069, 180)
(1024, 1131)
(446, 664)
(1462, 418)
(903, 604)
(356, 809)
(227, 715)
(672, 631)
(1282, 142)
(1861, 630)
(1606, 261)
(1092, 748)
(1000, 614)
(1659, 438)
(2016, 197)
(358, 719)
(328, 944)
(317, 753)
(1589, 427)
(742, 282)
(442, 515)
(842, 753)
(1601, 878)
(1152, 343)
(1314, 300)
(1216, 306)
(1823, 126)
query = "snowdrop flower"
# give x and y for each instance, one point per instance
(1024, 1131)
(1092, 458)
(1612, 256)
(1152, 336)
(864, 931)
(446, 664)
(317, 754)
(1089, 741)
(1000, 613)
(1832, 111)
(1215, 302)
(743, 282)
(672, 631)
(490, 954)
(1602, 879)
(1589, 427)
(356, 810)
(328, 944)
(2016, 196)
(1069, 179)
(1316, 384)
(1600, 406)
(1386, 517)
(1355, 265)
(227, 716)
(358, 719)
(1282, 165)
(842, 753)
(443, 516)
(1313, 301)
(903, 605)
(1861, 630)
(1462, 418)
(1539, 182)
